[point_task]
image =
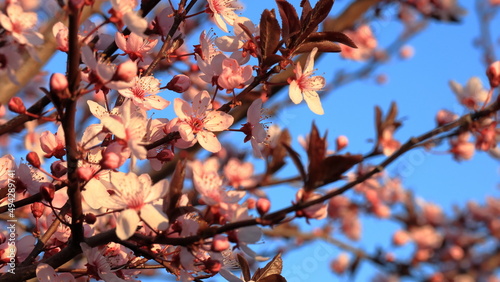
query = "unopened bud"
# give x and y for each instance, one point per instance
(84, 173)
(110, 160)
(58, 168)
(33, 159)
(400, 238)
(213, 266)
(126, 71)
(341, 142)
(180, 83)
(47, 190)
(16, 105)
(37, 209)
(263, 206)
(90, 218)
(165, 155)
(493, 74)
(443, 117)
(58, 83)
(251, 203)
(220, 243)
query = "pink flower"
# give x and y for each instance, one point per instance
(234, 76)
(60, 32)
(317, 211)
(21, 25)
(472, 94)
(388, 144)
(97, 264)
(493, 72)
(53, 144)
(134, 195)
(240, 40)
(223, 11)
(461, 148)
(123, 12)
(45, 273)
(340, 264)
(198, 120)
(7, 166)
(304, 86)
(238, 173)
(143, 93)
(134, 45)
(365, 41)
(254, 130)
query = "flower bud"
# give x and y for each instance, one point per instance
(16, 105)
(58, 82)
(400, 238)
(443, 117)
(341, 142)
(126, 71)
(213, 266)
(251, 203)
(493, 74)
(33, 159)
(58, 168)
(84, 173)
(110, 160)
(220, 243)
(263, 206)
(179, 83)
(90, 218)
(47, 190)
(37, 209)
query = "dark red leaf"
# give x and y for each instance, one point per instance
(273, 278)
(332, 36)
(269, 33)
(272, 59)
(175, 189)
(245, 268)
(296, 160)
(323, 46)
(290, 22)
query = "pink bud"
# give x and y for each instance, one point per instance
(213, 266)
(341, 142)
(220, 243)
(16, 105)
(126, 71)
(251, 203)
(406, 52)
(2, 111)
(400, 238)
(263, 206)
(340, 264)
(47, 190)
(58, 82)
(444, 116)
(455, 252)
(179, 83)
(58, 168)
(37, 209)
(84, 173)
(110, 160)
(33, 159)
(493, 74)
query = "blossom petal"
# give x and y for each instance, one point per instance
(209, 141)
(115, 126)
(218, 121)
(126, 224)
(154, 217)
(294, 92)
(157, 191)
(313, 102)
(182, 109)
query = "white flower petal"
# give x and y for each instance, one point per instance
(209, 141)
(154, 217)
(294, 92)
(126, 224)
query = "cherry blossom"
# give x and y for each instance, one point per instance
(134, 45)
(365, 42)
(317, 211)
(143, 93)
(240, 40)
(21, 25)
(53, 144)
(199, 121)
(97, 264)
(60, 32)
(304, 86)
(253, 129)
(134, 195)
(233, 75)
(123, 11)
(45, 273)
(238, 173)
(223, 11)
(472, 94)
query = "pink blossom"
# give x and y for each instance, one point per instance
(444, 116)
(341, 142)
(472, 94)
(493, 72)
(365, 42)
(45, 273)
(21, 25)
(461, 148)
(253, 129)
(426, 237)
(134, 195)
(304, 86)
(240, 40)
(317, 211)
(179, 83)
(123, 12)
(238, 173)
(11, 61)
(401, 237)
(7, 166)
(97, 264)
(198, 120)
(233, 75)
(223, 11)
(60, 32)
(387, 142)
(340, 264)
(134, 45)
(53, 144)
(143, 93)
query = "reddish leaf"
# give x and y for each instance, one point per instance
(273, 278)
(175, 189)
(290, 22)
(269, 33)
(245, 268)
(316, 152)
(272, 59)
(279, 153)
(334, 166)
(323, 46)
(312, 20)
(332, 36)
(296, 160)
(306, 9)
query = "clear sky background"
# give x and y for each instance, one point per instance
(443, 52)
